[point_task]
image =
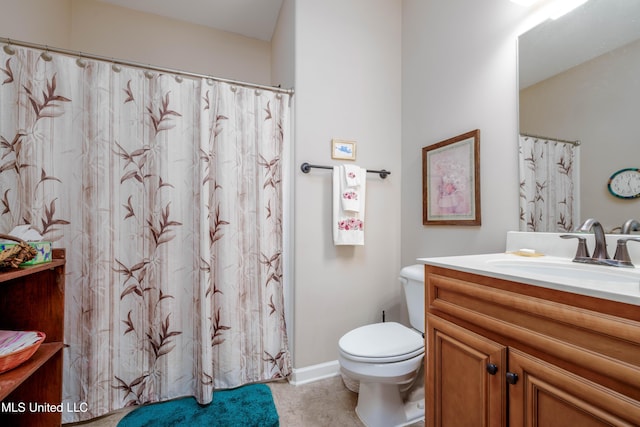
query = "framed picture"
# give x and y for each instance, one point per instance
(343, 150)
(451, 181)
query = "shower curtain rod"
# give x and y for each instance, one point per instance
(46, 48)
(564, 141)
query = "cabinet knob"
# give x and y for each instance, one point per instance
(492, 368)
(512, 377)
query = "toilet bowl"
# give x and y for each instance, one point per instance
(385, 359)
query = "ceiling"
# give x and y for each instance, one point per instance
(251, 18)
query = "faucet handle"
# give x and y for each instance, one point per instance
(622, 254)
(629, 226)
(582, 251)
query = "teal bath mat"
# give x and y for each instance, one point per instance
(247, 406)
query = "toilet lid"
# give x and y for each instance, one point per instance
(386, 339)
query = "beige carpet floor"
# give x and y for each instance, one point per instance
(325, 403)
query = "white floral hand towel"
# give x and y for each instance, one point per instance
(350, 199)
(351, 175)
(348, 208)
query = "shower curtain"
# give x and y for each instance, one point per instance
(549, 185)
(166, 192)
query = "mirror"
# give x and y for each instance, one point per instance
(579, 79)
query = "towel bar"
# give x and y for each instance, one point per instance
(306, 167)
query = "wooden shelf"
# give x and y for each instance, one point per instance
(26, 271)
(32, 298)
(10, 380)
(58, 260)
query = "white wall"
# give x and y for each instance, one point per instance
(37, 21)
(459, 74)
(109, 30)
(283, 47)
(348, 83)
(597, 103)
(103, 29)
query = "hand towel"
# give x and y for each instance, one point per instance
(351, 175)
(350, 198)
(348, 226)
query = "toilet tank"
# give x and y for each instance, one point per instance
(412, 279)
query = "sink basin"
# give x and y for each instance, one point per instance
(586, 275)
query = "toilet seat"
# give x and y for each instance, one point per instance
(381, 343)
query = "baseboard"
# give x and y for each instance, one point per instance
(313, 373)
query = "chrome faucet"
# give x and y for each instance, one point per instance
(600, 251)
(600, 255)
(629, 226)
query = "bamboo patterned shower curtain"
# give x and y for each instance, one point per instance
(549, 185)
(167, 194)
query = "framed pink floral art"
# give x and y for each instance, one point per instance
(451, 181)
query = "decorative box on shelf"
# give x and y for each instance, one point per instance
(43, 252)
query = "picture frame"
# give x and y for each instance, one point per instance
(343, 150)
(451, 181)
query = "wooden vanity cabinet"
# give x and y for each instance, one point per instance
(502, 353)
(32, 298)
(458, 362)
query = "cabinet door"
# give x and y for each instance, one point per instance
(465, 377)
(547, 396)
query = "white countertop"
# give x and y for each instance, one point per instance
(553, 272)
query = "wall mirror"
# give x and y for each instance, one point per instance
(579, 79)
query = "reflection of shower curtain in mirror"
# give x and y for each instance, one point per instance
(549, 185)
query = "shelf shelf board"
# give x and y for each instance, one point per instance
(14, 273)
(10, 380)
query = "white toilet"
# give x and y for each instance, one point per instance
(385, 358)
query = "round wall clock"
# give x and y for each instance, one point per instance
(625, 183)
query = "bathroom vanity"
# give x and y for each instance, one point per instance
(505, 350)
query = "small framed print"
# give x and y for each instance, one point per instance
(343, 150)
(451, 181)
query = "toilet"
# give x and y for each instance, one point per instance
(385, 359)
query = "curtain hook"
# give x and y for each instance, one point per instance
(115, 67)
(210, 81)
(81, 62)
(178, 78)
(46, 56)
(148, 74)
(8, 49)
